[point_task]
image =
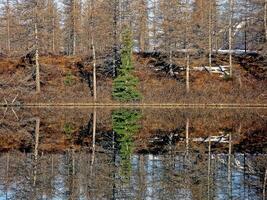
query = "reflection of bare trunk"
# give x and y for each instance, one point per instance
(114, 167)
(7, 174)
(229, 171)
(93, 145)
(264, 185)
(36, 145)
(141, 177)
(209, 167)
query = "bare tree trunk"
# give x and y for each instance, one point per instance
(143, 25)
(170, 60)
(187, 73)
(210, 32)
(53, 30)
(154, 25)
(230, 36)
(74, 29)
(8, 27)
(186, 47)
(265, 19)
(93, 48)
(116, 13)
(246, 25)
(37, 75)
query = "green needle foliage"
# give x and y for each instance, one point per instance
(68, 129)
(125, 124)
(69, 79)
(125, 85)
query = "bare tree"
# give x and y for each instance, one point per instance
(231, 4)
(72, 25)
(92, 24)
(186, 47)
(8, 25)
(210, 32)
(265, 19)
(37, 73)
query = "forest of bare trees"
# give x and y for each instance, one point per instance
(93, 29)
(64, 26)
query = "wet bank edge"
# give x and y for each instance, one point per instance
(156, 105)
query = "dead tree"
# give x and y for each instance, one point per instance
(37, 78)
(92, 8)
(230, 36)
(265, 19)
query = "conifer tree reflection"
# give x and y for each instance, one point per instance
(125, 124)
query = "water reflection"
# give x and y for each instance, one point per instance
(133, 154)
(68, 176)
(125, 125)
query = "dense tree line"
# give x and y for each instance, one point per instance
(64, 26)
(94, 28)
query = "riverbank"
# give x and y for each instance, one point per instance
(69, 80)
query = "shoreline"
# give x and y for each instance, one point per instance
(138, 105)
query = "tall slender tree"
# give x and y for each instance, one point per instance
(231, 4)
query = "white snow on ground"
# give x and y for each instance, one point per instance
(219, 139)
(216, 70)
(235, 51)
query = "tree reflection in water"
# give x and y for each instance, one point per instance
(125, 123)
(126, 157)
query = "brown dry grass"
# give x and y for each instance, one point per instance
(156, 87)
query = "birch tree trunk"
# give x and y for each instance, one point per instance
(187, 73)
(187, 50)
(37, 75)
(93, 47)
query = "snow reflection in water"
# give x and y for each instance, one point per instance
(171, 176)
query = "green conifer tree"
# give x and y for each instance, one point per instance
(125, 85)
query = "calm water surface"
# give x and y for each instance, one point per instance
(133, 154)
